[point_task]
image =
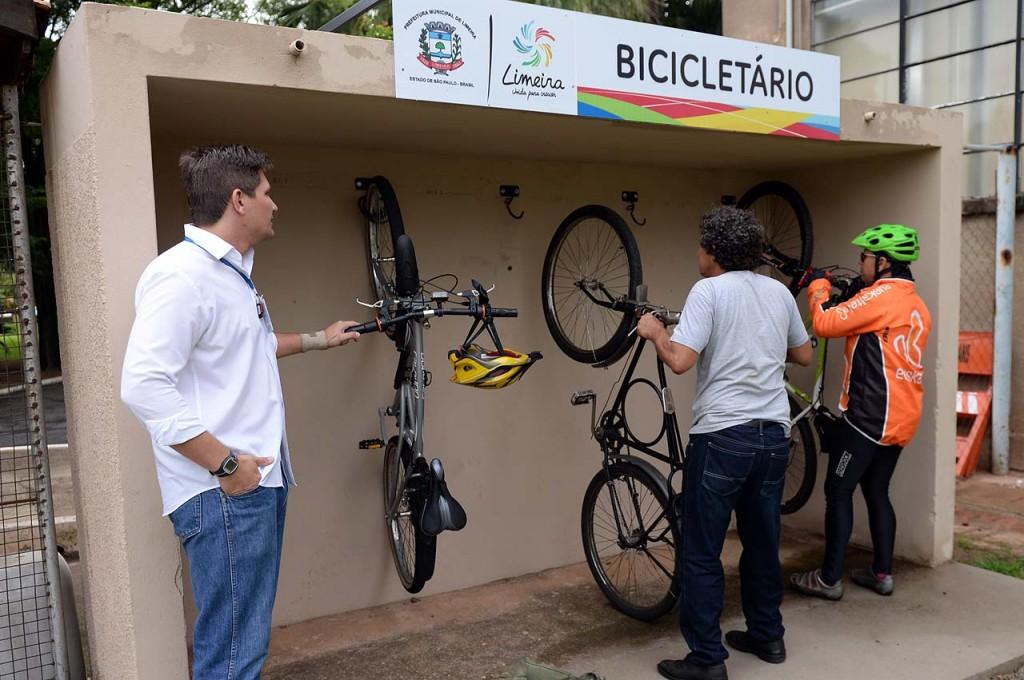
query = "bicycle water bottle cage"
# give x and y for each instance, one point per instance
(442, 512)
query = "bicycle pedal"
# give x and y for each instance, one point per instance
(371, 444)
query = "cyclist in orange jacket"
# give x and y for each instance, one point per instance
(886, 326)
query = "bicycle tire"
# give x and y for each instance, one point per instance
(789, 231)
(656, 590)
(606, 255)
(384, 225)
(802, 468)
(412, 550)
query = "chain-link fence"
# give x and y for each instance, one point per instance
(977, 303)
(28, 602)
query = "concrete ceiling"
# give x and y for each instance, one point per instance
(218, 111)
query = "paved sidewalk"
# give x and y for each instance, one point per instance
(954, 622)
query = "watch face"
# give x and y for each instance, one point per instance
(230, 465)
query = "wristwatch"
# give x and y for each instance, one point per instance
(227, 466)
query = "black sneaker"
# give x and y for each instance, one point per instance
(772, 652)
(682, 669)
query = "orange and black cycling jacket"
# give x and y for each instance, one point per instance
(886, 327)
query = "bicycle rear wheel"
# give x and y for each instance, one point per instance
(802, 469)
(592, 260)
(412, 550)
(788, 229)
(384, 226)
(636, 567)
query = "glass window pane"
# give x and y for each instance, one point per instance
(833, 18)
(867, 52)
(980, 174)
(917, 6)
(880, 88)
(969, 76)
(987, 122)
(965, 27)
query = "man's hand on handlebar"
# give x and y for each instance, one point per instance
(337, 333)
(650, 326)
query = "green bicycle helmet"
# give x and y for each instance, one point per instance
(893, 239)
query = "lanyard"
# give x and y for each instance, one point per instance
(260, 307)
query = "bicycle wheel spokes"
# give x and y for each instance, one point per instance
(382, 248)
(399, 518)
(788, 229)
(629, 541)
(592, 261)
(590, 264)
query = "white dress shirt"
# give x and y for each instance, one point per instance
(202, 359)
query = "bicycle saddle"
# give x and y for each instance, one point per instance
(442, 512)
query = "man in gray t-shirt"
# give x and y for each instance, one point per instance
(739, 328)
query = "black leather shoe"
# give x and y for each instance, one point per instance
(772, 652)
(686, 670)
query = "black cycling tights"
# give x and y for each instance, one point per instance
(854, 460)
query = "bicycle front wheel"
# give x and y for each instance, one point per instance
(412, 550)
(592, 261)
(788, 229)
(630, 540)
(383, 227)
(802, 469)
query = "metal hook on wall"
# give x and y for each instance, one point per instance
(510, 192)
(631, 198)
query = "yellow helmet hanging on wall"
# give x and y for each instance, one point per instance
(489, 369)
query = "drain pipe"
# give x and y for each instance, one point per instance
(1006, 209)
(1002, 330)
(789, 22)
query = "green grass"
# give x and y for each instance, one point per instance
(964, 543)
(1008, 564)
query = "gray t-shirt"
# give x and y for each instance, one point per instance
(742, 324)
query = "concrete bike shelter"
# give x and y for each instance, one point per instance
(131, 88)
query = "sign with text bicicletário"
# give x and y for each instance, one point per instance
(514, 55)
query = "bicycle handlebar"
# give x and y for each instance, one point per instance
(481, 314)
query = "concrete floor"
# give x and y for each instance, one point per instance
(953, 622)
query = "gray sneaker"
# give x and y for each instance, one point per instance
(810, 583)
(867, 578)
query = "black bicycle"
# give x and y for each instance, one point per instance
(593, 265)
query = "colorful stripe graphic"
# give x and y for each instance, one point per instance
(644, 108)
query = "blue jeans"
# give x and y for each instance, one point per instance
(233, 544)
(740, 468)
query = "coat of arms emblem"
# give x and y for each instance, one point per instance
(440, 47)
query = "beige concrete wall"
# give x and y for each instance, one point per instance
(765, 21)
(519, 459)
(977, 300)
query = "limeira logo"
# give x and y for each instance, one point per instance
(535, 45)
(440, 47)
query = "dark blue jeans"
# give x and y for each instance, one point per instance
(740, 468)
(233, 544)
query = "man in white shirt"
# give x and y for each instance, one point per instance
(201, 373)
(739, 328)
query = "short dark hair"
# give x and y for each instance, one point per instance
(733, 237)
(897, 268)
(212, 173)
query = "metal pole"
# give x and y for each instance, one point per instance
(358, 9)
(903, 51)
(11, 135)
(789, 23)
(1006, 204)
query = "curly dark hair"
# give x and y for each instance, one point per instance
(733, 237)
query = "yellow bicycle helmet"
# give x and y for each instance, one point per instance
(489, 369)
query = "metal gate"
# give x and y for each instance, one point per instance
(32, 642)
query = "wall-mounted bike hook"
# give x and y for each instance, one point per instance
(510, 192)
(631, 198)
